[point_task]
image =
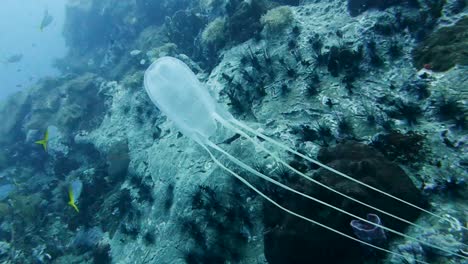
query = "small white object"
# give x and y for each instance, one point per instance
(143, 62)
(135, 52)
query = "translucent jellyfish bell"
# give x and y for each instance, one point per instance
(177, 92)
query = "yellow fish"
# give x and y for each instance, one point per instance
(44, 141)
(72, 200)
(74, 192)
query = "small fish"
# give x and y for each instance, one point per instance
(74, 191)
(14, 58)
(72, 200)
(46, 20)
(45, 140)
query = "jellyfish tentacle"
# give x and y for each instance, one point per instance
(263, 176)
(215, 160)
(260, 146)
(243, 134)
(280, 145)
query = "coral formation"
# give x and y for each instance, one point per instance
(214, 33)
(356, 7)
(444, 48)
(277, 19)
(244, 19)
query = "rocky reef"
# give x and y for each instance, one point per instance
(375, 89)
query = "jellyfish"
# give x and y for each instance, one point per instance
(369, 233)
(176, 91)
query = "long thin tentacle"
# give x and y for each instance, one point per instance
(263, 176)
(299, 215)
(243, 134)
(240, 124)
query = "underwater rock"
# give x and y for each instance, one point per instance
(357, 7)
(451, 185)
(168, 49)
(444, 48)
(244, 22)
(292, 240)
(4, 162)
(86, 239)
(344, 59)
(12, 110)
(456, 6)
(28, 210)
(182, 29)
(39, 254)
(65, 108)
(102, 254)
(404, 148)
(154, 12)
(56, 145)
(6, 190)
(277, 19)
(412, 251)
(118, 159)
(96, 32)
(4, 211)
(4, 249)
(214, 32)
(288, 2)
(92, 24)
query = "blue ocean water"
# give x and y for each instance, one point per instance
(21, 34)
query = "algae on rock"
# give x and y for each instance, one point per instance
(444, 48)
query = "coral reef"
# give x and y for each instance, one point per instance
(277, 19)
(395, 145)
(214, 33)
(356, 7)
(244, 19)
(182, 29)
(444, 48)
(334, 81)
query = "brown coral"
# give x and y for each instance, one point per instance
(444, 49)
